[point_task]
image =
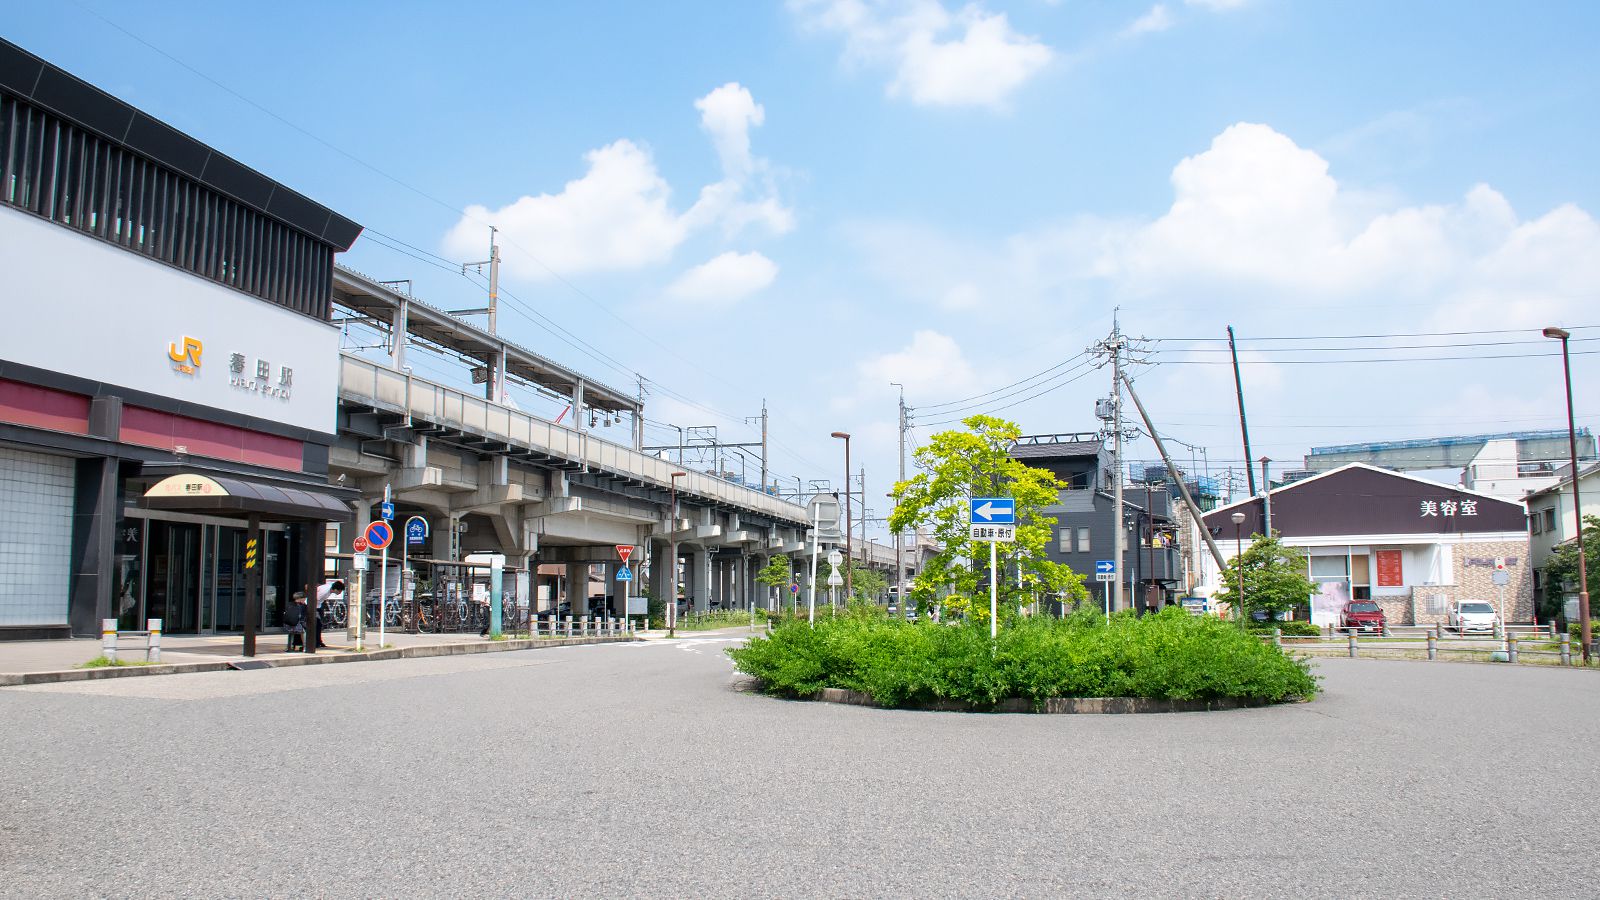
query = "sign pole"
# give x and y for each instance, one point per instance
(816, 549)
(994, 591)
(383, 577)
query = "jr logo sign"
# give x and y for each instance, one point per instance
(186, 355)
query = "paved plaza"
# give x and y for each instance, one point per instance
(639, 770)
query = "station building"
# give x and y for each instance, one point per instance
(168, 371)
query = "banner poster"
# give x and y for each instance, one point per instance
(1389, 569)
(1329, 603)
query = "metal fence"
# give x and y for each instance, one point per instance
(1535, 644)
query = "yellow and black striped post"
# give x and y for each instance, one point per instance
(250, 547)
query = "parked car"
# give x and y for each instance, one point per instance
(1363, 615)
(1472, 615)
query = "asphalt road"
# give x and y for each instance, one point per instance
(636, 770)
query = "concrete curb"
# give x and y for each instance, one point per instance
(1056, 705)
(14, 679)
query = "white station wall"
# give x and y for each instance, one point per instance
(83, 307)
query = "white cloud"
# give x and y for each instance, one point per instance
(932, 365)
(724, 279)
(1157, 19)
(1217, 5)
(1256, 210)
(971, 57)
(619, 214)
(727, 114)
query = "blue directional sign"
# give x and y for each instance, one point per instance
(625, 574)
(416, 531)
(994, 511)
(386, 511)
(1105, 567)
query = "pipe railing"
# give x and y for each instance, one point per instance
(381, 387)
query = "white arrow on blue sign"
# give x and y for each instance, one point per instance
(1105, 567)
(386, 511)
(994, 511)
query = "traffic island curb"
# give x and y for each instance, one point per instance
(1056, 705)
(16, 679)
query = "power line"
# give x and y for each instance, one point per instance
(1352, 337)
(996, 409)
(1379, 359)
(1435, 346)
(934, 406)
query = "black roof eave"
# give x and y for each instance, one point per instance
(86, 106)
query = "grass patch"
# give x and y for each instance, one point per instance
(102, 662)
(1171, 655)
(727, 618)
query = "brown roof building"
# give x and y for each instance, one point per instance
(1413, 545)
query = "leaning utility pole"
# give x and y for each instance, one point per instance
(1183, 489)
(1244, 429)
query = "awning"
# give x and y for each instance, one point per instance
(234, 494)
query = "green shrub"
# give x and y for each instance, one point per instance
(1296, 628)
(1171, 655)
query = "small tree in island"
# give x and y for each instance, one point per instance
(976, 462)
(1275, 579)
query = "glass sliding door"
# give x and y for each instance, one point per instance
(173, 582)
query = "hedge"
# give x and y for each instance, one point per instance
(1170, 655)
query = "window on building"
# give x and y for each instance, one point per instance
(1550, 519)
(1064, 540)
(1533, 524)
(1083, 540)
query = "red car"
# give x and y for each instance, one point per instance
(1363, 615)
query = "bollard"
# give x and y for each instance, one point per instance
(1552, 631)
(1433, 647)
(1566, 649)
(1352, 645)
(1385, 631)
(1511, 649)
(153, 651)
(1277, 637)
(1438, 629)
(108, 639)
(569, 626)
(1500, 629)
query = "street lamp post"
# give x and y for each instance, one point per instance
(849, 588)
(1586, 634)
(672, 531)
(1238, 563)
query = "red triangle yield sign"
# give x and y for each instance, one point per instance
(624, 551)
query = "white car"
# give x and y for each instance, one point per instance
(1472, 615)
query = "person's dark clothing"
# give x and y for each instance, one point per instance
(294, 621)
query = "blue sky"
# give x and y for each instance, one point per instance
(951, 196)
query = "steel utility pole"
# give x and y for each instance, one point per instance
(1266, 503)
(899, 540)
(494, 385)
(1115, 345)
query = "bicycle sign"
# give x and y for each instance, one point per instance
(379, 534)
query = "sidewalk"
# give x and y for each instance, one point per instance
(37, 662)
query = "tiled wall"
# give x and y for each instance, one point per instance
(35, 537)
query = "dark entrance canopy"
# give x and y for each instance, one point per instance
(193, 492)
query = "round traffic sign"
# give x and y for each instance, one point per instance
(379, 534)
(359, 545)
(794, 587)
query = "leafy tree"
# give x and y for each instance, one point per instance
(976, 462)
(776, 574)
(1275, 579)
(1563, 568)
(869, 584)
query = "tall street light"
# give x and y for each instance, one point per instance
(849, 589)
(1238, 563)
(672, 529)
(1585, 631)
